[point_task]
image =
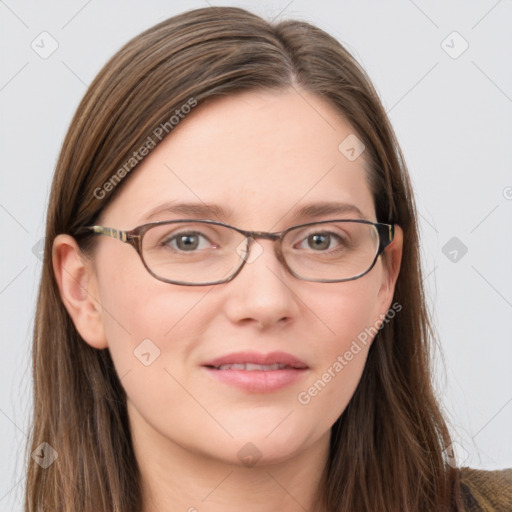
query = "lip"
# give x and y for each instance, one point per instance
(257, 358)
(257, 381)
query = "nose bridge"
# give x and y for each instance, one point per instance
(276, 238)
(263, 234)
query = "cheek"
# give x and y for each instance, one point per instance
(148, 318)
(141, 315)
(349, 316)
(348, 308)
(152, 330)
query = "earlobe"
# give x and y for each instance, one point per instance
(77, 286)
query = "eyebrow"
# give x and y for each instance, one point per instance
(200, 210)
(215, 211)
(315, 210)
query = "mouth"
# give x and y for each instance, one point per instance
(255, 372)
(252, 367)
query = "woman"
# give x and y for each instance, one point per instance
(263, 344)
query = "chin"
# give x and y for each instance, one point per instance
(266, 447)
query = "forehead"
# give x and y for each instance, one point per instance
(259, 155)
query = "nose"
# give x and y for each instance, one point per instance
(262, 293)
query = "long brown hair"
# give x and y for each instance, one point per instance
(387, 447)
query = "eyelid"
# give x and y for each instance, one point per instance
(318, 227)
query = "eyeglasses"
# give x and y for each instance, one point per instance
(207, 252)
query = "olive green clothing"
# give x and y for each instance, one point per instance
(487, 491)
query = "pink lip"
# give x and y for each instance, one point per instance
(257, 358)
(257, 381)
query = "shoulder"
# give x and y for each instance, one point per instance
(486, 491)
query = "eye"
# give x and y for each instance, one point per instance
(320, 241)
(187, 241)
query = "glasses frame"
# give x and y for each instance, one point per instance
(135, 236)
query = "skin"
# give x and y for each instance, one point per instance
(264, 155)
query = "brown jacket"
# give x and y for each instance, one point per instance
(487, 491)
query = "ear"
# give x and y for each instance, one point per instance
(77, 284)
(392, 259)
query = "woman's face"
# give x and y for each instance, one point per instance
(262, 156)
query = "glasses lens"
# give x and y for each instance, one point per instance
(193, 252)
(331, 251)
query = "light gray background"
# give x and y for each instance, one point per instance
(452, 116)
